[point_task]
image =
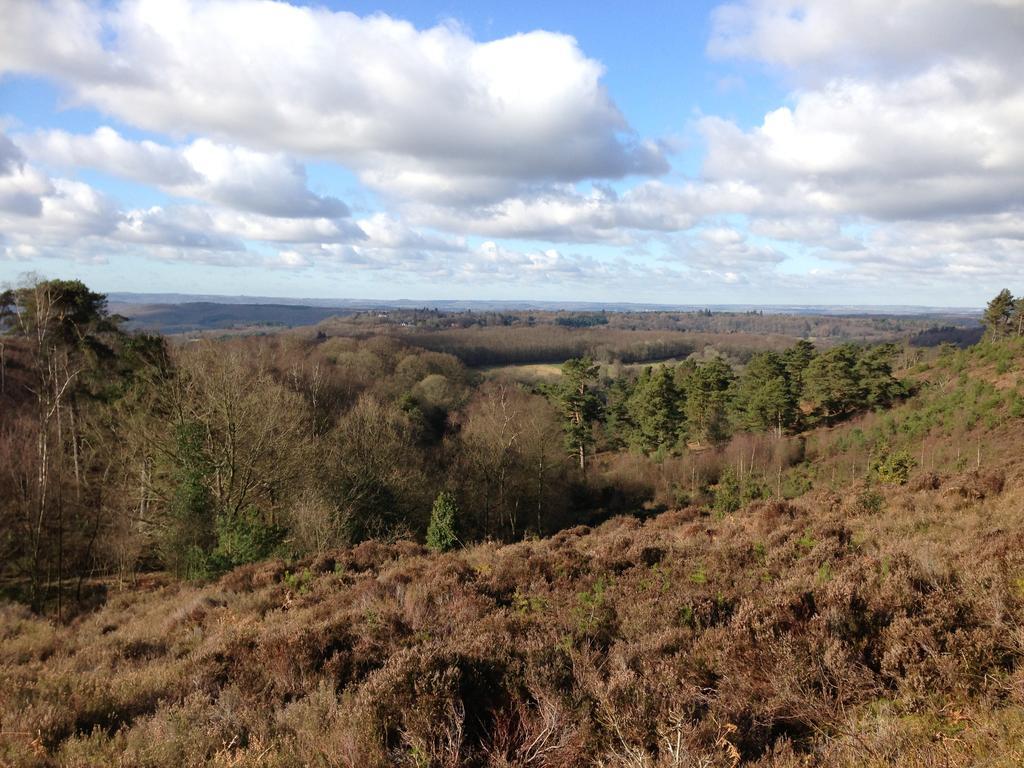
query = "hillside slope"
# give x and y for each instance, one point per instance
(850, 627)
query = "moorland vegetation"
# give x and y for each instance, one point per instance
(316, 549)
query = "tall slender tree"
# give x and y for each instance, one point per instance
(579, 405)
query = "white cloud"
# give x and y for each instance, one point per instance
(896, 159)
(815, 39)
(944, 141)
(423, 113)
(271, 184)
(563, 214)
(904, 126)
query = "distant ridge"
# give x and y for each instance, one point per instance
(455, 305)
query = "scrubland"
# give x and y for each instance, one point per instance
(812, 632)
(844, 590)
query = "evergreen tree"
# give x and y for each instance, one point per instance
(441, 530)
(653, 410)
(618, 424)
(764, 398)
(796, 359)
(579, 405)
(998, 313)
(876, 383)
(707, 400)
(1017, 320)
(831, 383)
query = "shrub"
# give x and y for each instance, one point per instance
(869, 502)
(243, 538)
(728, 492)
(892, 467)
(441, 531)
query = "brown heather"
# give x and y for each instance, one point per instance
(786, 634)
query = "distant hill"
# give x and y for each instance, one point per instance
(455, 305)
(206, 315)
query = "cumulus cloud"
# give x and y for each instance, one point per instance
(904, 123)
(942, 142)
(419, 112)
(815, 39)
(271, 184)
(565, 214)
(896, 157)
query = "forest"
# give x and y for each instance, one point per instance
(319, 548)
(125, 453)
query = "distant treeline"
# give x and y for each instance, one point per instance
(491, 345)
(834, 328)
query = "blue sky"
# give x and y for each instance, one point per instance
(762, 151)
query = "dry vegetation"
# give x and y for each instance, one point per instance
(848, 596)
(815, 632)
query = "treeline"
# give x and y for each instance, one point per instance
(669, 407)
(522, 344)
(835, 328)
(120, 453)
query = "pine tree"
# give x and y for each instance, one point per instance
(1017, 320)
(441, 530)
(653, 410)
(796, 359)
(579, 405)
(764, 398)
(998, 313)
(707, 400)
(831, 383)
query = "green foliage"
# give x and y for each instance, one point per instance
(441, 532)
(579, 405)
(708, 391)
(653, 410)
(869, 502)
(243, 538)
(728, 492)
(594, 613)
(582, 320)
(298, 581)
(766, 399)
(796, 359)
(189, 530)
(889, 466)
(999, 313)
(848, 379)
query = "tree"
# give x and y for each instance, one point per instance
(506, 461)
(998, 313)
(1017, 321)
(441, 530)
(374, 480)
(874, 371)
(653, 409)
(62, 325)
(707, 400)
(831, 383)
(765, 400)
(579, 405)
(796, 359)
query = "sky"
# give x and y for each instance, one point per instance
(751, 152)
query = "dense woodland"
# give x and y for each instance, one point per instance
(123, 453)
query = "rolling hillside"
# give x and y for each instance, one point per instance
(863, 623)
